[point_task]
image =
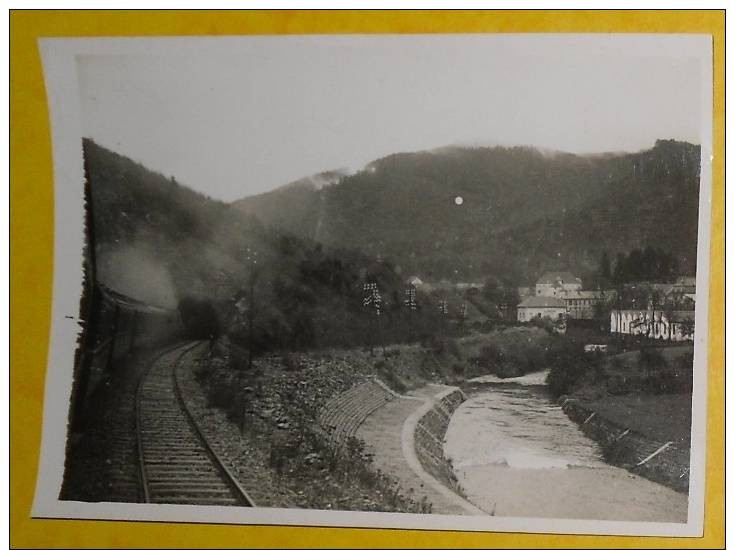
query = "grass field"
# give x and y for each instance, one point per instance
(662, 416)
(659, 417)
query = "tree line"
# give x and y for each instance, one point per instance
(648, 264)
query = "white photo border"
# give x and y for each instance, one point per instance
(60, 75)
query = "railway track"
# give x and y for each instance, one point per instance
(177, 464)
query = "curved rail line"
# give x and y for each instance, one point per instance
(177, 464)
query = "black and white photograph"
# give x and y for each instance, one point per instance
(416, 281)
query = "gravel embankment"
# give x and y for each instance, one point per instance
(278, 458)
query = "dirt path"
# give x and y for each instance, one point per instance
(382, 433)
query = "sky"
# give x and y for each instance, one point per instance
(233, 117)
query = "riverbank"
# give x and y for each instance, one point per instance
(633, 440)
(638, 407)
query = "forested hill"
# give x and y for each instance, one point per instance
(523, 211)
(158, 241)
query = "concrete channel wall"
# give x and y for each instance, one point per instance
(429, 437)
(664, 462)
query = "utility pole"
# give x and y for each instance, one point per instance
(462, 314)
(443, 311)
(373, 301)
(251, 259)
(410, 303)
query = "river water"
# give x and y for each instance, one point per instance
(516, 453)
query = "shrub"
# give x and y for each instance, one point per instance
(568, 368)
(222, 388)
(389, 376)
(453, 348)
(663, 377)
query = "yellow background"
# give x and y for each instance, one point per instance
(31, 258)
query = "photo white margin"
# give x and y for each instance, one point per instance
(58, 57)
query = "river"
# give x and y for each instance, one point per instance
(517, 454)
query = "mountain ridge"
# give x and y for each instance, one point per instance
(520, 208)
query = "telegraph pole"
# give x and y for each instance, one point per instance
(251, 258)
(462, 314)
(373, 301)
(369, 290)
(410, 303)
(443, 311)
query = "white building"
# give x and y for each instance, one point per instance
(556, 283)
(653, 324)
(541, 307)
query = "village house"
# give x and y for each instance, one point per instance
(555, 283)
(581, 304)
(676, 326)
(541, 307)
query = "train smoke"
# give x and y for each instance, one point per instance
(136, 272)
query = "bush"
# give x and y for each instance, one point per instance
(222, 388)
(453, 348)
(490, 357)
(389, 376)
(568, 368)
(663, 377)
(651, 359)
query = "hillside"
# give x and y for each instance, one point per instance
(524, 211)
(160, 242)
(295, 205)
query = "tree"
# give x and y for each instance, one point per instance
(604, 274)
(491, 291)
(620, 275)
(251, 261)
(510, 299)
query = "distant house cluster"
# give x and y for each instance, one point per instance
(671, 319)
(676, 325)
(559, 295)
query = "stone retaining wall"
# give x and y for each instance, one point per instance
(339, 419)
(660, 461)
(429, 437)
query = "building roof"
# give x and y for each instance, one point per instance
(542, 301)
(680, 315)
(588, 294)
(558, 277)
(582, 294)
